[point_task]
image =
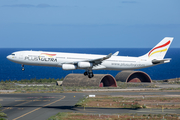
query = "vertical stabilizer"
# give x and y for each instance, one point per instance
(159, 51)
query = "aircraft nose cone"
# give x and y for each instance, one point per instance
(9, 57)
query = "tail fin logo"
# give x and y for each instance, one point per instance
(161, 46)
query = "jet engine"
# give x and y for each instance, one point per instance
(68, 67)
(84, 64)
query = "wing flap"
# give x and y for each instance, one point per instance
(98, 67)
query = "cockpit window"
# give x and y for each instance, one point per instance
(13, 54)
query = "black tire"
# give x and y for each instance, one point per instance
(85, 73)
(90, 75)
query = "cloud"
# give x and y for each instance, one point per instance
(30, 6)
(45, 6)
(130, 2)
(19, 5)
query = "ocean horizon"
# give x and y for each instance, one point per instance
(12, 71)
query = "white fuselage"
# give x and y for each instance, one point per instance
(89, 62)
(57, 59)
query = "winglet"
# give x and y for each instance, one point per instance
(107, 57)
(116, 53)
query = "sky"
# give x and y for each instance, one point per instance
(88, 23)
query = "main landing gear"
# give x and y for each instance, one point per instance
(89, 73)
(22, 67)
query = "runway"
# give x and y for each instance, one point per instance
(41, 106)
(37, 106)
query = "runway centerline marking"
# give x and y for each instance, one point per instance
(17, 105)
(38, 108)
(30, 100)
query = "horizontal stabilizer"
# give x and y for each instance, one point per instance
(161, 61)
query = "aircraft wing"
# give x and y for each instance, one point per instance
(93, 61)
(99, 60)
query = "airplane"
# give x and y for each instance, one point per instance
(90, 62)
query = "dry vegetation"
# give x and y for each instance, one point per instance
(80, 116)
(132, 102)
(2, 115)
(49, 86)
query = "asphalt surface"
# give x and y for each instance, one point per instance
(37, 106)
(41, 106)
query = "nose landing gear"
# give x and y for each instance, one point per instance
(22, 67)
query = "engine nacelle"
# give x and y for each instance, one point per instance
(68, 67)
(84, 64)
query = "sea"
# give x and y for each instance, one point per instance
(12, 71)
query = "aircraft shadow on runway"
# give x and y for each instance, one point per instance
(69, 107)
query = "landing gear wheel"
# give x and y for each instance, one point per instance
(90, 75)
(85, 73)
(23, 68)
